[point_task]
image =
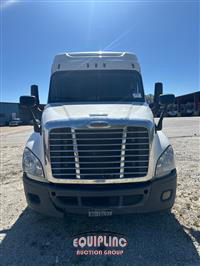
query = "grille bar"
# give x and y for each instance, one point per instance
(86, 145)
(101, 174)
(98, 156)
(84, 133)
(76, 154)
(121, 167)
(97, 150)
(101, 138)
(145, 161)
(123, 153)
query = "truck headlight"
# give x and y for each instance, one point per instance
(31, 164)
(165, 163)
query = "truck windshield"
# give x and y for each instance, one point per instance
(96, 86)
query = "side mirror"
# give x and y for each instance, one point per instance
(167, 99)
(164, 100)
(35, 92)
(28, 101)
(158, 90)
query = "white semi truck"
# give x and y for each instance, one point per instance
(97, 149)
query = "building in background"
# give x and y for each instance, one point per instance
(10, 111)
(188, 104)
(185, 105)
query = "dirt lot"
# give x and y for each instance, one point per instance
(28, 238)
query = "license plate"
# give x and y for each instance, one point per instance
(99, 212)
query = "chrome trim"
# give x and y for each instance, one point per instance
(98, 150)
(106, 144)
(86, 168)
(77, 164)
(60, 124)
(101, 162)
(88, 133)
(104, 174)
(98, 124)
(99, 156)
(123, 151)
(101, 138)
(99, 181)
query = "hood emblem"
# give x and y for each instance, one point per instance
(98, 124)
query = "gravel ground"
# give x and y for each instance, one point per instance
(28, 238)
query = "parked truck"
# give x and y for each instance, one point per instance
(97, 149)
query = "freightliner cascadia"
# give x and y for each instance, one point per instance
(97, 149)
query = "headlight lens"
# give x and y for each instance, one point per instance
(31, 164)
(166, 163)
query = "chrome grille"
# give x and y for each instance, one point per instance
(99, 153)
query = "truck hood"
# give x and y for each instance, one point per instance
(82, 113)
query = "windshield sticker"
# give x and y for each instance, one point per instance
(137, 95)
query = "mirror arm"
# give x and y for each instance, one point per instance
(35, 124)
(37, 108)
(159, 126)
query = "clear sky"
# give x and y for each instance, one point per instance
(163, 34)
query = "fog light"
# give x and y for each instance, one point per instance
(34, 198)
(166, 195)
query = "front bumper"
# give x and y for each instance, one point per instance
(56, 200)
